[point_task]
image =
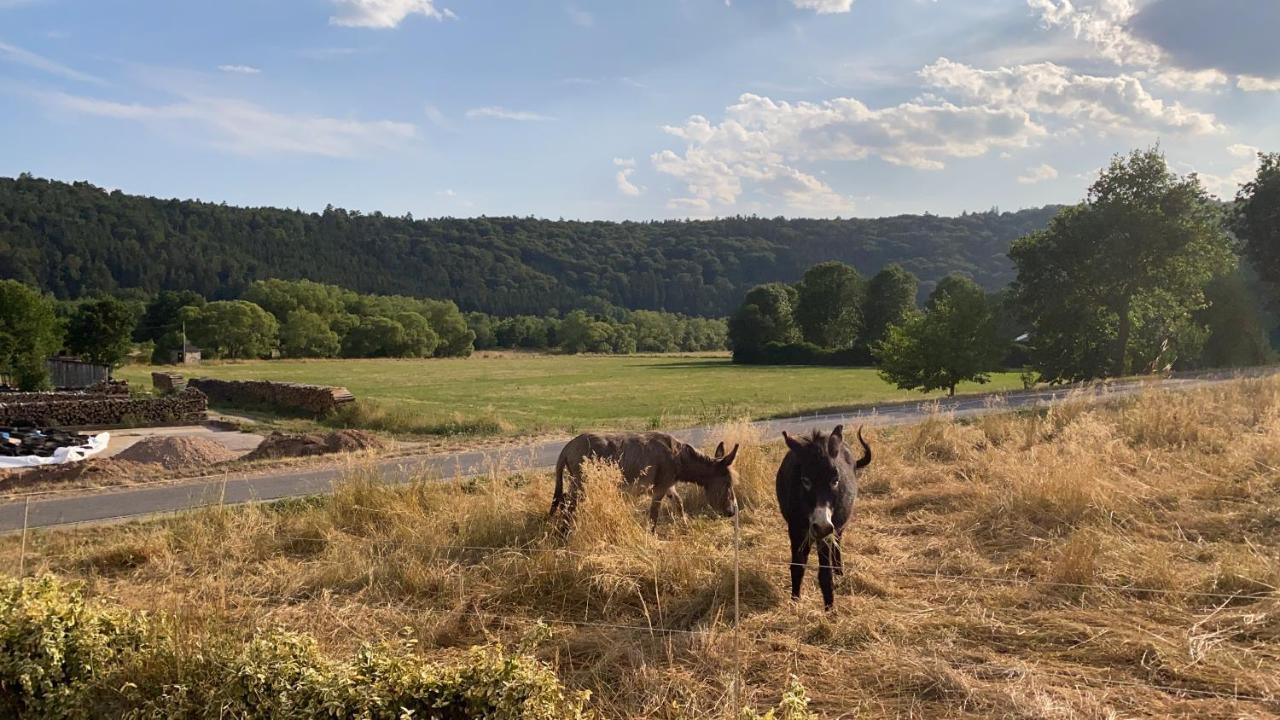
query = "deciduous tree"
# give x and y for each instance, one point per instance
(952, 341)
(100, 330)
(1111, 285)
(29, 333)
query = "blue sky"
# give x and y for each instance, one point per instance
(614, 110)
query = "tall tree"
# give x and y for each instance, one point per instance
(765, 316)
(99, 331)
(29, 333)
(891, 294)
(163, 314)
(307, 334)
(232, 329)
(829, 305)
(1256, 219)
(952, 341)
(1110, 286)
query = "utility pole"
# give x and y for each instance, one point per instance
(183, 352)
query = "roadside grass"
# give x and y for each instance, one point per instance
(523, 393)
(1085, 561)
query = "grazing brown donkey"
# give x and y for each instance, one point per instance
(655, 459)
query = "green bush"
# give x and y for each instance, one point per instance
(55, 652)
(60, 659)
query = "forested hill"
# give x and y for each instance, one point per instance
(75, 238)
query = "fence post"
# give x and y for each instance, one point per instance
(22, 556)
(737, 612)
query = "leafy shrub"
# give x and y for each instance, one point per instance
(60, 659)
(54, 651)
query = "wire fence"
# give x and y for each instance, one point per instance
(720, 628)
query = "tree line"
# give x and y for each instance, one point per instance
(305, 319)
(75, 240)
(1144, 275)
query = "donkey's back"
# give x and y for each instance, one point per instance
(648, 458)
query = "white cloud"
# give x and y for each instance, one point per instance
(626, 168)
(246, 128)
(1046, 89)
(1226, 185)
(761, 142)
(384, 13)
(1102, 23)
(823, 7)
(1251, 83)
(495, 112)
(240, 69)
(1038, 174)
(15, 54)
(1172, 78)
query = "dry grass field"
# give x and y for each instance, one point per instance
(1086, 562)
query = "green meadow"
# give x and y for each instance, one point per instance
(518, 393)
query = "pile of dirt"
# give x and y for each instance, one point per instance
(174, 452)
(93, 471)
(282, 445)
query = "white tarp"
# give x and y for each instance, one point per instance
(97, 443)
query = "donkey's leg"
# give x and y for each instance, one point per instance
(676, 500)
(655, 506)
(799, 556)
(825, 581)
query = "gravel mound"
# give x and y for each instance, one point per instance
(175, 452)
(283, 445)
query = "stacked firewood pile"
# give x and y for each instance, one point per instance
(285, 396)
(83, 410)
(168, 382)
(109, 387)
(41, 442)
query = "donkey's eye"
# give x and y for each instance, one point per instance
(806, 483)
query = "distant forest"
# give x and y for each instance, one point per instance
(73, 239)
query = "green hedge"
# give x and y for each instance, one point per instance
(61, 659)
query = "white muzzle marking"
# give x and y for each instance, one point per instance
(821, 516)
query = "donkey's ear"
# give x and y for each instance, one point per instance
(720, 450)
(835, 441)
(792, 443)
(727, 460)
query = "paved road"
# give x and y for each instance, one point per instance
(115, 505)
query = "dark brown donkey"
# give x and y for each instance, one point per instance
(817, 484)
(654, 459)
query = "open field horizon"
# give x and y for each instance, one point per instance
(521, 393)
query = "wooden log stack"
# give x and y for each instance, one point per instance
(57, 410)
(281, 396)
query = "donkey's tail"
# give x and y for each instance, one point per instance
(558, 499)
(866, 451)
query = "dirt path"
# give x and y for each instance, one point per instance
(234, 488)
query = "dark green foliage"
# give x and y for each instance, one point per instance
(163, 314)
(232, 329)
(891, 294)
(76, 239)
(1257, 219)
(1111, 286)
(767, 315)
(100, 331)
(829, 305)
(29, 333)
(1237, 336)
(952, 341)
